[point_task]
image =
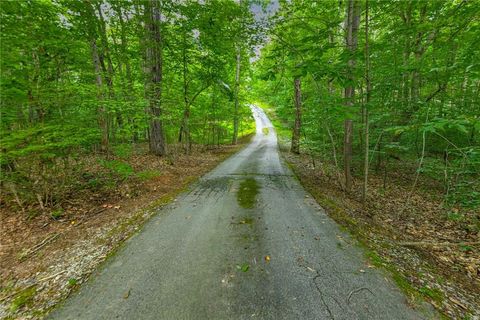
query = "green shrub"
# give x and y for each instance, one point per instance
(118, 168)
(122, 150)
(148, 174)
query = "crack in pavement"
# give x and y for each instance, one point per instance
(325, 304)
(302, 263)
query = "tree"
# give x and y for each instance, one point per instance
(417, 77)
(97, 61)
(295, 148)
(236, 93)
(110, 76)
(368, 88)
(153, 71)
(351, 26)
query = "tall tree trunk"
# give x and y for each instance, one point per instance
(352, 24)
(365, 113)
(419, 51)
(153, 85)
(36, 111)
(237, 89)
(104, 54)
(89, 15)
(127, 84)
(295, 148)
(124, 46)
(102, 117)
(184, 134)
(406, 16)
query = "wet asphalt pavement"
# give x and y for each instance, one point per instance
(245, 242)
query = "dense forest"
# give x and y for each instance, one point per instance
(378, 102)
(382, 84)
(101, 77)
(378, 82)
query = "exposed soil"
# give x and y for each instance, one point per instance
(43, 259)
(408, 233)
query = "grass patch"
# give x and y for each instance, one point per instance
(23, 298)
(265, 131)
(435, 294)
(148, 174)
(247, 194)
(72, 282)
(399, 279)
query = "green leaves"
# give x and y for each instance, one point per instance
(118, 168)
(46, 141)
(423, 73)
(244, 267)
(440, 125)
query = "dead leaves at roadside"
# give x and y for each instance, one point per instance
(110, 206)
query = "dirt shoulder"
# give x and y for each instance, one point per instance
(430, 255)
(44, 259)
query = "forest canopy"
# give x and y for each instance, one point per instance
(362, 84)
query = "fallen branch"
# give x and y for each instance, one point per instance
(441, 244)
(52, 276)
(30, 252)
(94, 212)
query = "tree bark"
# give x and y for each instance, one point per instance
(102, 117)
(295, 147)
(102, 113)
(237, 89)
(406, 16)
(419, 51)
(352, 24)
(365, 106)
(104, 54)
(124, 46)
(184, 134)
(153, 66)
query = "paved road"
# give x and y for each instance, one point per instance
(246, 242)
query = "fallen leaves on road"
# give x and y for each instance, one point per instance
(244, 267)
